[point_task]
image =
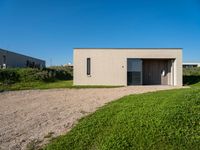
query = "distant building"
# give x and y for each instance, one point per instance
(191, 64)
(69, 65)
(10, 59)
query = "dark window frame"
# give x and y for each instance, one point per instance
(88, 66)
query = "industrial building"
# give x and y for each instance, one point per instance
(10, 59)
(191, 64)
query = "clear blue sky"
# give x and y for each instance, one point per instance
(50, 29)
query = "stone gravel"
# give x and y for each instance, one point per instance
(37, 115)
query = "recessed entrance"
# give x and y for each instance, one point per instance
(150, 71)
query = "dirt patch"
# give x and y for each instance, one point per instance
(38, 115)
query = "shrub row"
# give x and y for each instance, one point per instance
(191, 71)
(189, 80)
(64, 73)
(11, 75)
(8, 76)
(191, 75)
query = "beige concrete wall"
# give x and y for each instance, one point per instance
(17, 60)
(109, 66)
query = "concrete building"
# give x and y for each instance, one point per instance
(10, 59)
(122, 66)
(191, 64)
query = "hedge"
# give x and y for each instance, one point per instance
(191, 75)
(14, 75)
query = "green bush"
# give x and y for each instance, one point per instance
(191, 75)
(14, 75)
(28, 74)
(62, 73)
(9, 76)
(188, 80)
(191, 71)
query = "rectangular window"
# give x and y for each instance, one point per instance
(88, 66)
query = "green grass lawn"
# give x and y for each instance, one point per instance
(196, 85)
(158, 120)
(37, 85)
(46, 85)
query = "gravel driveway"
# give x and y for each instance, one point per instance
(34, 114)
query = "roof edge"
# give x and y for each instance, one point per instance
(128, 48)
(22, 54)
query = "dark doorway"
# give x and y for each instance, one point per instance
(134, 71)
(155, 72)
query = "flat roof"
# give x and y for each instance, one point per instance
(131, 48)
(191, 63)
(5, 50)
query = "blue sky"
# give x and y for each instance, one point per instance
(50, 29)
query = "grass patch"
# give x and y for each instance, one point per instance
(36, 85)
(158, 120)
(45, 85)
(96, 86)
(196, 85)
(33, 78)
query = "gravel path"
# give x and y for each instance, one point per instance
(31, 115)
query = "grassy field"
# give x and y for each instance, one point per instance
(159, 120)
(45, 85)
(37, 85)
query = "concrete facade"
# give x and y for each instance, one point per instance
(109, 66)
(10, 59)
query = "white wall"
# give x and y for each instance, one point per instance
(109, 66)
